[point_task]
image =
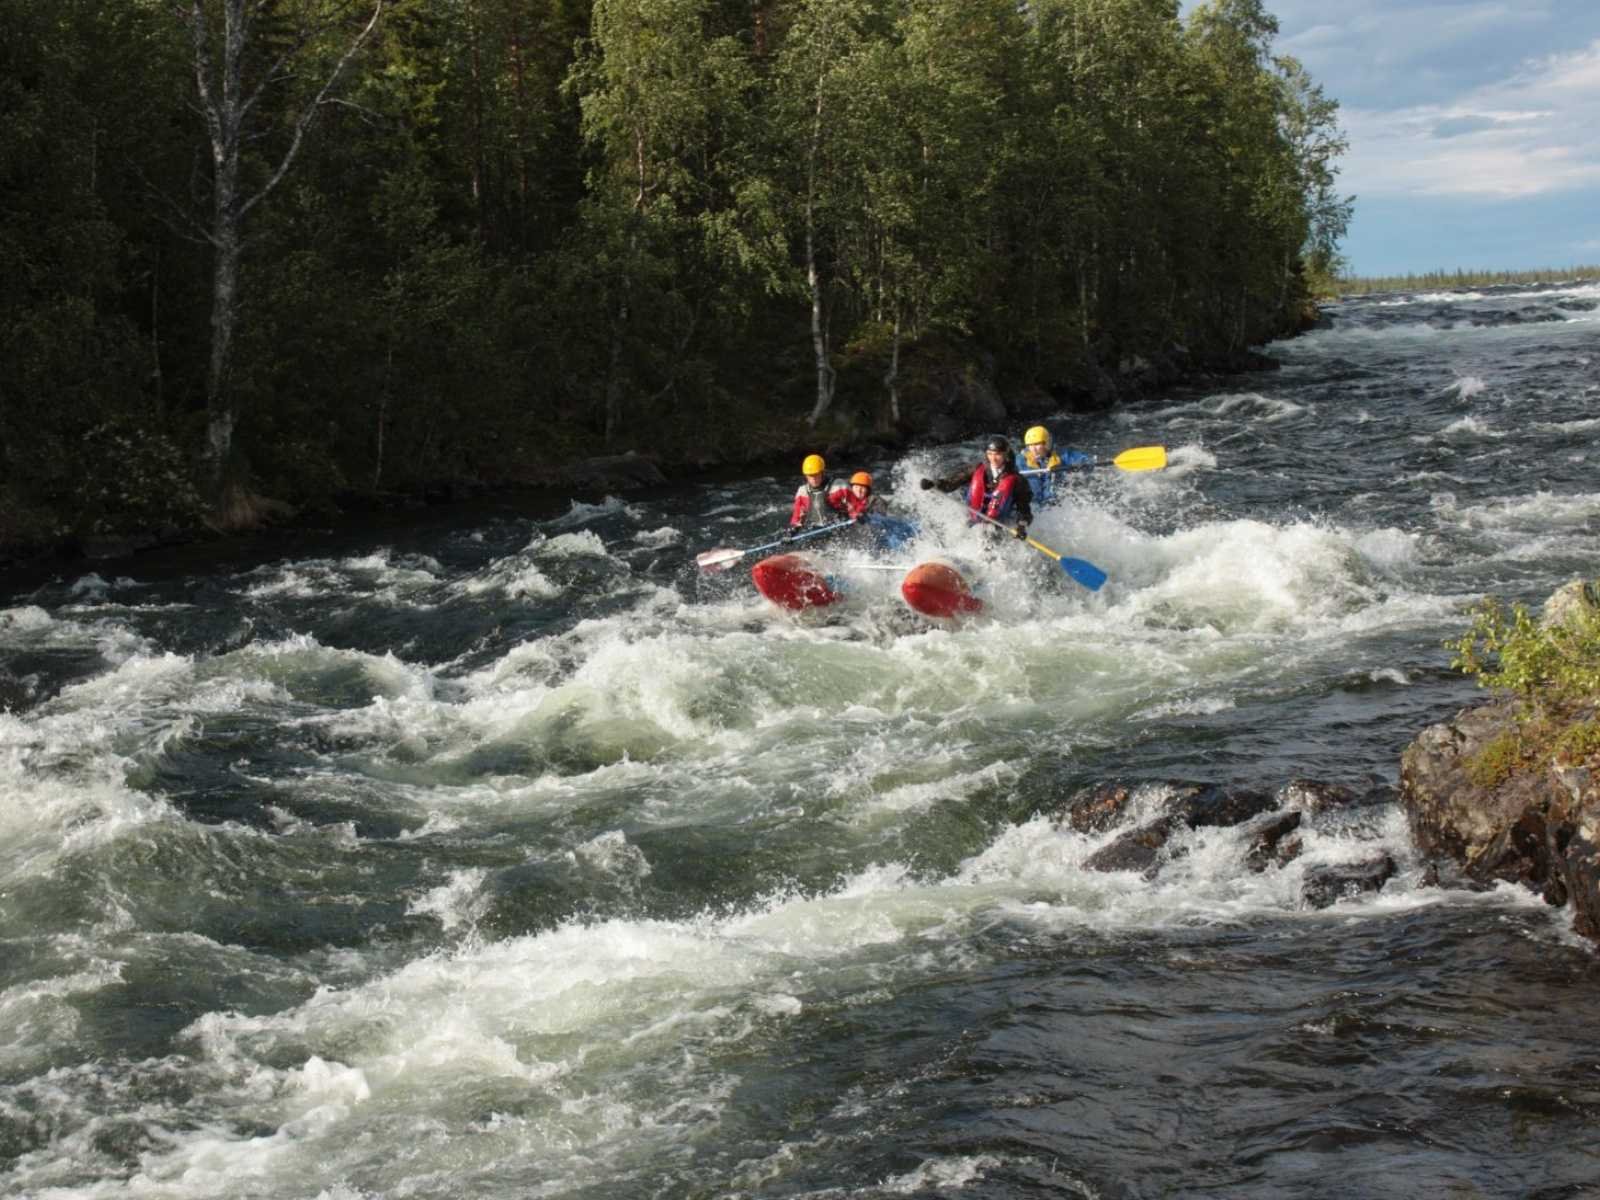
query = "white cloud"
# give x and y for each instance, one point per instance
(1528, 134)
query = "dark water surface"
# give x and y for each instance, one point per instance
(503, 854)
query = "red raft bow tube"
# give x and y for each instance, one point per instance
(795, 582)
(936, 588)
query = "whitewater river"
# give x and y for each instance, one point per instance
(504, 855)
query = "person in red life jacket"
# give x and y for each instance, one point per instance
(817, 503)
(993, 487)
(859, 500)
(998, 491)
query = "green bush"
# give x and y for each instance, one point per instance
(1552, 666)
(1553, 669)
(134, 479)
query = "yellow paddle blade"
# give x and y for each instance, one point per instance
(1142, 458)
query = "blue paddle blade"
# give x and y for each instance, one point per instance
(1085, 573)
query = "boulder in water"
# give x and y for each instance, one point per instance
(1538, 825)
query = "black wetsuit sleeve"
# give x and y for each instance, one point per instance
(1022, 499)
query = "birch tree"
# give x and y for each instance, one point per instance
(235, 68)
(823, 53)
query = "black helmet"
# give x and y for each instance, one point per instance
(999, 443)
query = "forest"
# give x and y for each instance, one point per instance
(258, 256)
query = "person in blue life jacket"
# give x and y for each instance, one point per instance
(1041, 461)
(994, 488)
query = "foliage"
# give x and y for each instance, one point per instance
(523, 230)
(133, 479)
(1508, 650)
(1552, 669)
(1498, 759)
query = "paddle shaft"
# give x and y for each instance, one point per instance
(714, 559)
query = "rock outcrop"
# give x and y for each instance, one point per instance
(1536, 823)
(1538, 826)
(1269, 825)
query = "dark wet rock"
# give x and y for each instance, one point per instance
(1327, 885)
(1571, 604)
(1224, 805)
(1181, 805)
(615, 473)
(1096, 809)
(1538, 826)
(1100, 807)
(1440, 873)
(1576, 304)
(952, 396)
(1242, 362)
(1270, 843)
(1137, 850)
(1314, 797)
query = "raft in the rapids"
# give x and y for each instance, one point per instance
(935, 588)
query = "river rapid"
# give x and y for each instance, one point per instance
(507, 855)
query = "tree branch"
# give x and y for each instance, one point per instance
(306, 117)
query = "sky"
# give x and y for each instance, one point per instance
(1474, 127)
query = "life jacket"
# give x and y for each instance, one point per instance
(854, 506)
(1033, 462)
(818, 506)
(1044, 486)
(994, 495)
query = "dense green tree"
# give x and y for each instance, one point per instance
(662, 93)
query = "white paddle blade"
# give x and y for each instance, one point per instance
(718, 560)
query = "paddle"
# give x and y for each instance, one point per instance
(1086, 573)
(1140, 458)
(724, 557)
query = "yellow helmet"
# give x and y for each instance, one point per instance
(813, 465)
(1037, 436)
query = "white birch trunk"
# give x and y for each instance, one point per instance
(226, 105)
(819, 316)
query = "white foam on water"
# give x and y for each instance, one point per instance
(1583, 425)
(516, 580)
(1471, 426)
(581, 514)
(1537, 513)
(1196, 706)
(583, 544)
(655, 539)
(1184, 460)
(455, 903)
(951, 1174)
(30, 627)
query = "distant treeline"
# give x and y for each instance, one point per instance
(1360, 285)
(301, 247)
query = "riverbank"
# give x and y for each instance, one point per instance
(944, 399)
